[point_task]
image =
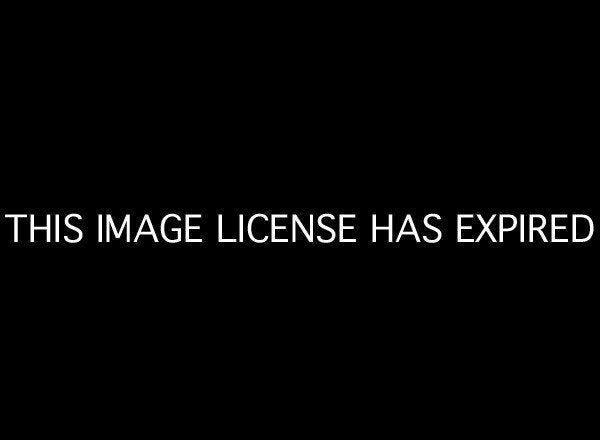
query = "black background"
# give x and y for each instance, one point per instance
(386, 112)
